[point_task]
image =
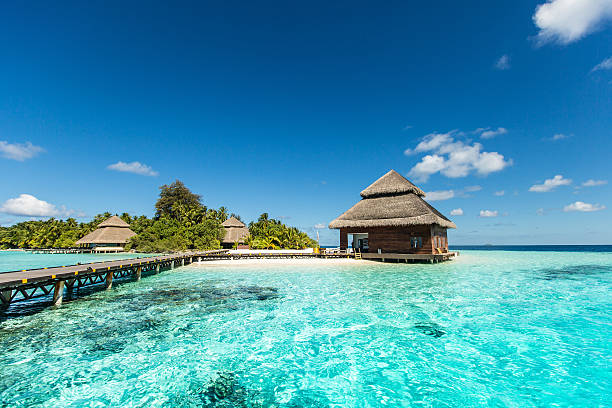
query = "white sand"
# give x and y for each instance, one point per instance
(281, 262)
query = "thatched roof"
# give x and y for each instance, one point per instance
(235, 231)
(391, 201)
(390, 184)
(114, 221)
(233, 222)
(111, 231)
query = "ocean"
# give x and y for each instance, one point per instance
(517, 327)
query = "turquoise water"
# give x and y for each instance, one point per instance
(492, 328)
(18, 260)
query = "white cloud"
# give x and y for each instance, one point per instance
(19, 152)
(540, 211)
(558, 136)
(457, 211)
(500, 193)
(439, 195)
(133, 167)
(550, 184)
(566, 21)
(320, 226)
(583, 207)
(431, 142)
(28, 205)
(491, 133)
(503, 62)
(472, 189)
(454, 158)
(429, 165)
(603, 65)
(488, 213)
(594, 183)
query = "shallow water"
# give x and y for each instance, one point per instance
(491, 328)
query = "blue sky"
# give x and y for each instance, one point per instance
(293, 108)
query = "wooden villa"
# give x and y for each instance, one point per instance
(236, 233)
(393, 221)
(110, 236)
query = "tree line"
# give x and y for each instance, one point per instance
(181, 222)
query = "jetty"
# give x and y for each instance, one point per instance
(51, 283)
(29, 284)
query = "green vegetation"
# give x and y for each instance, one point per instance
(181, 222)
(51, 233)
(268, 233)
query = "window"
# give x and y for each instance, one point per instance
(416, 242)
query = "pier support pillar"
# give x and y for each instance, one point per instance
(157, 268)
(172, 265)
(138, 273)
(199, 259)
(5, 297)
(58, 293)
(109, 280)
(183, 262)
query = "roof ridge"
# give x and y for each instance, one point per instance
(392, 183)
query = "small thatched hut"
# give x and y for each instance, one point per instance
(235, 232)
(110, 236)
(392, 217)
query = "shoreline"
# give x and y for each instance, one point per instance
(280, 262)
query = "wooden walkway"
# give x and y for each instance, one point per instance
(30, 284)
(51, 283)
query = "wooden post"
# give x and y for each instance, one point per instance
(172, 265)
(58, 293)
(70, 284)
(157, 268)
(5, 297)
(183, 262)
(138, 273)
(109, 280)
(343, 239)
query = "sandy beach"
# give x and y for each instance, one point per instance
(280, 262)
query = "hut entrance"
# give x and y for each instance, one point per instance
(360, 242)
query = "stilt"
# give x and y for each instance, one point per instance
(109, 280)
(183, 262)
(70, 284)
(138, 273)
(172, 265)
(58, 293)
(157, 268)
(5, 297)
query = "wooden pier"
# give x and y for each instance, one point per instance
(51, 283)
(31, 284)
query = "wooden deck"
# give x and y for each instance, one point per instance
(433, 258)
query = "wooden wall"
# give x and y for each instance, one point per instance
(397, 239)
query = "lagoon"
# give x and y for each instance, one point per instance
(491, 328)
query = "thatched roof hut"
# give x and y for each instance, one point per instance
(112, 233)
(235, 231)
(391, 201)
(395, 206)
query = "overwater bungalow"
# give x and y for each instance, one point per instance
(393, 218)
(110, 236)
(236, 233)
